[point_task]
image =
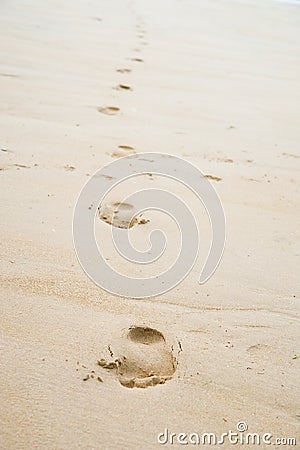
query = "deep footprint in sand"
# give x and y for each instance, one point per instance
(146, 359)
(109, 110)
(123, 150)
(120, 215)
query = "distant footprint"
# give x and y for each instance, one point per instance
(146, 359)
(123, 87)
(69, 168)
(137, 59)
(213, 178)
(9, 75)
(257, 349)
(124, 70)
(123, 150)
(109, 110)
(120, 215)
(18, 166)
(291, 155)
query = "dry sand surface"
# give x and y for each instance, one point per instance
(83, 82)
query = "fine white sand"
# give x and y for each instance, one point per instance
(219, 85)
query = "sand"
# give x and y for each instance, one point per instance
(217, 83)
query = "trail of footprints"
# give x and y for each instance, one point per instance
(145, 359)
(120, 214)
(112, 110)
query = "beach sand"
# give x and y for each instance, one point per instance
(217, 83)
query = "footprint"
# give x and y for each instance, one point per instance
(123, 87)
(109, 110)
(6, 150)
(69, 168)
(18, 166)
(124, 70)
(224, 160)
(102, 175)
(257, 349)
(120, 215)
(146, 359)
(290, 155)
(213, 178)
(9, 75)
(259, 354)
(123, 150)
(137, 59)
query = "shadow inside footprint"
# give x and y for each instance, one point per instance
(123, 87)
(145, 335)
(109, 110)
(146, 359)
